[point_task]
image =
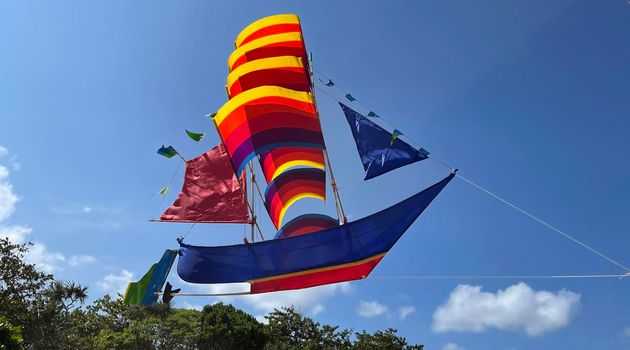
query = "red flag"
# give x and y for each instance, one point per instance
(211, 192)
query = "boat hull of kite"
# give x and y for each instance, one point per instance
(344, 253)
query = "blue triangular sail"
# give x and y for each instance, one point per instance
(380, 150)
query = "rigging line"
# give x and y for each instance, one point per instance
(157, 209)
(535, 218)
(501, 199)
(187, 232)
(255, 184)
(338, 205)
(495, 277)
(435, 277)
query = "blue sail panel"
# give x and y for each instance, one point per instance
(307, 260)
(380, 150)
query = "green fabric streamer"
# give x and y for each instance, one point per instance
(164, 190)
(195, 136)
(136, 290)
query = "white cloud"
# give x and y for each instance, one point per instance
(45, 260)
(81, 260)
(188, 306)
(626, 332)
(116, 283)
(308, 300)
(38, 254)
(7, 200)
(317, 309)
(4, 172)
(371, 308)
(452, 346)
(518, 307)
(16, 234)
(405, 311)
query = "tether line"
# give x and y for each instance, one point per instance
(497, 277)
(479, 187)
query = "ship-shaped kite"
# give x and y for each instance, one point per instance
(271, 118)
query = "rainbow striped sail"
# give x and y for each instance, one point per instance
(271, 113)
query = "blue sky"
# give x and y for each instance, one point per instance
(529, 99)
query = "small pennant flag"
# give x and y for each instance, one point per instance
(195, 136)
(373, 115)
(168, 152)
(211, 115)
(350, 98)
(164, 190)
(330, 83)
(395, 135)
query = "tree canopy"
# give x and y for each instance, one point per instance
(39, 312)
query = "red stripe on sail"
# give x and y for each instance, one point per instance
(271, 30)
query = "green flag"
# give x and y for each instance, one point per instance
(395, 135)
(195, 136)
(164, 190)
(168, 152)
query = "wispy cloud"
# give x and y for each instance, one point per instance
(626, 332)
(116, 283)
(518, 307)
(452, 346)
(8, 199)
(405, 311)
(38, 254)
(188, 306)
(371, 308)
(81, 260)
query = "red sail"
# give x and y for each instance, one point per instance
(211, 192)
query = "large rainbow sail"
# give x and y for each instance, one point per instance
(271, 113)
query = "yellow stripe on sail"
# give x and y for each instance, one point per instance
(295, 199)
(262, 64)
(262, 42)
(265, 22)
(257, 93)
(295, 163)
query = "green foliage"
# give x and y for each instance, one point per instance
(291, 330)
(225, 327)
(10, 335)
(387, 340)
(49, 314)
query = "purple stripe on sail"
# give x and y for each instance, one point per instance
(274, 138)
